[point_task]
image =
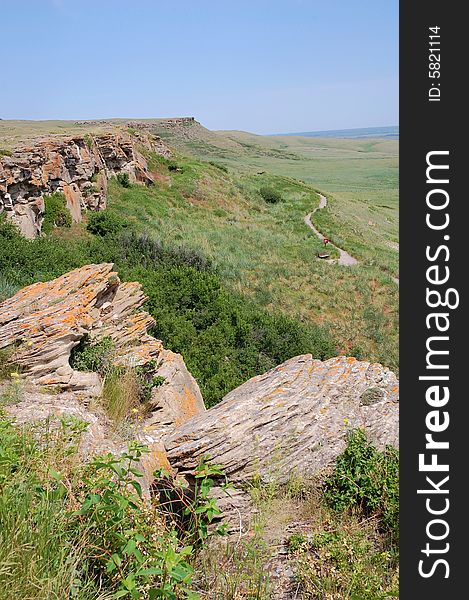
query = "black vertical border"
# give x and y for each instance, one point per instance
(426, 126)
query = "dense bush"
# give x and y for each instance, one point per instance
(173, 166)
(368, 479)
(123, 180)
(56, 213)
(95, 357)
(270, 195)
(143, 249)
(105, 223)
(224, 338)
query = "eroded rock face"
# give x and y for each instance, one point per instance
(78, 166)
(294, 418)
(43, 322)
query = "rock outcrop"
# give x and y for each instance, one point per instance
(292, 419)
(77, 166)
(43, 322)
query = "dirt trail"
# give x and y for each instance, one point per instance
(344, 257)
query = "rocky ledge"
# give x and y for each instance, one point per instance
(43, 322)
(292, 419)
(77, 166)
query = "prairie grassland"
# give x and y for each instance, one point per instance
(268, 253)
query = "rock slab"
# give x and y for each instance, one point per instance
(292, 419)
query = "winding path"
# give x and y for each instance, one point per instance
(344, 257)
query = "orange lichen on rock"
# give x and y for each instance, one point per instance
(45, 321)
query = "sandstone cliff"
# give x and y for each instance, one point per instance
(77, 166)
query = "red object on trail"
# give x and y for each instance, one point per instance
(326, 241)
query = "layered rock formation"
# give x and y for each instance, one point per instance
(43, 322)
(77, 166)
(293, 418)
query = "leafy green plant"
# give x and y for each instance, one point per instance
(367, 480)
(97, 357)
(105, 223)
(127, 551)
(88, 140)
(204, 508)
(56, 213)
(192, 510)
(4, 152)
(147, 379)
(123, 179)
(270, 195)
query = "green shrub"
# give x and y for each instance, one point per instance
(56, 213)
(366, 480)
(218, 166)
(97, 357)
(105, 223)
(88, 140)
(270, 195)
(123, 180)
(143, 249)
(173, 166)
(4, 152)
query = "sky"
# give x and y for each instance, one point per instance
(265, 66)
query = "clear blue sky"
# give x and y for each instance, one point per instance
(265, 66)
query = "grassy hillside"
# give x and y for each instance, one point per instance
(209, 200)
(266, 252)
(360, 175)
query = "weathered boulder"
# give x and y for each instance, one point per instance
(43, 322)
(77, 166)
(292, 419)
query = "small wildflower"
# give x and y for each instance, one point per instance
(135, 410)
(14, 375)
(29, 344)
(346, 421)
